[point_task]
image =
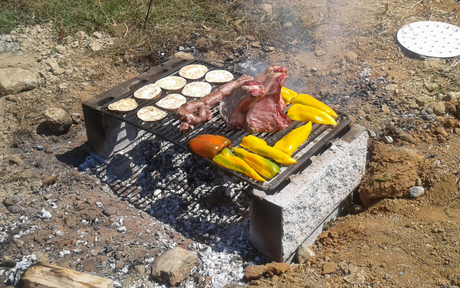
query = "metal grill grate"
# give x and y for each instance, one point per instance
(168, 128)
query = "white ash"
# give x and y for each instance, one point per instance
(14, 274)
(189, 196)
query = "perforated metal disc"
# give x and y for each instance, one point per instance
(431, 38)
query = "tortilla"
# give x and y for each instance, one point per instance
(151, 113)
(197, 89)
(171, 83)
(171, 102)
(148, 92)
(193, 72)
(124, 105)
(219, 76)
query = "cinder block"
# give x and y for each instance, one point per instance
(284, 220)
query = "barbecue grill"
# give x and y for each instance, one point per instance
(95, 110)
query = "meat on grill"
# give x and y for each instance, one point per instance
(252, 104)
(257, 105)
(198, 111)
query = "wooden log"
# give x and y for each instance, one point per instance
(43, 275)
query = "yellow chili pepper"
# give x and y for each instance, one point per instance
(287, 95)
(299, 112)
(289, 143)
(260, 147)
(228, 160)
(263, 166)
(308, 100)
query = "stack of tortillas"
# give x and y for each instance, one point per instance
(171, 83)
(148, 92)
(123, 105)
(151, 113)
(193, 72)
(218, 76)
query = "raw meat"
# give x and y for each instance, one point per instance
(257, 105)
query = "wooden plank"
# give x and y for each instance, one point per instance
(43, 275)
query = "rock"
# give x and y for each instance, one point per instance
(441, 131)
(329, 267)
(54, 65)
(250, 38)
(109, 211)
(391, 88)
(10, 200)
(15, 80)
(267, 9)
(386, 109)
(350, 56)
(46, 214)
(140, 269)
(174, 265)
(416, 191)
(428, 117)
(18, 242)
(256, 44)
(431, 86)
(388, 139)
(422, 100)
(254, 272)
(356, 278)
(95, 46)
(118, 265)
(184, 55)
(58, 120)
(7, 262)
(404, 136)
(81, 35)
(277, 268)
(439, 109)
(16, 208)
(303, 254)
(452, 109)
(451, 96)
(61, 49)
(287, 25)
(97, 35)
(16, 159)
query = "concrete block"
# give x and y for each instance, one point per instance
(281, 222)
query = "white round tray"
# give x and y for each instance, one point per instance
(431, 38)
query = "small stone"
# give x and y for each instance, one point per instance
(109, 211)
(350, 56)
(441, 131)
(404, 136)
(58, 120)
(97, 35)
(10, 200)
(16, 208)
(386, 109)
(256, 44)
(184, 55)
(18, 242)
(451, 96)
(356, 278)
(16, 159)
(431, 86)
(7, 262)
(61, 49)
(254, 272)
(287, 25)
(428, 117)
(250, 38)
(118, 265)
(121, 229)
(174, 265)
(416, 191)
(95, 46)
(277, 268)
(140, 269)
(304, 253)
(81, 35)
(117, 255)
(371, 133)
(439, 109)
(388, 139)
(329, 267)
(320, 52)
(15, 80)
(46, 214)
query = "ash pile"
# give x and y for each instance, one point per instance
(189, 196)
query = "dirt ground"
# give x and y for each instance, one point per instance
(352, 57)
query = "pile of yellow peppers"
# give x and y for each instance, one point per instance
(307, 108)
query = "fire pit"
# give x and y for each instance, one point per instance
(110, 131)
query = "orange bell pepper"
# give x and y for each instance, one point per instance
(207, 145)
